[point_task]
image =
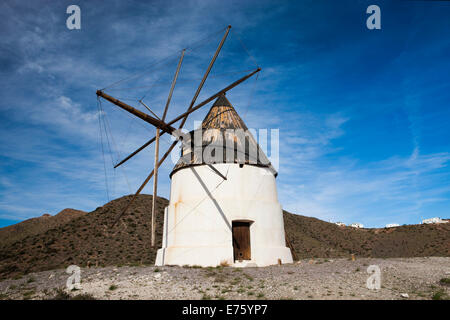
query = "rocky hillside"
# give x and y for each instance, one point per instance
(34, 226)
(311, 237)
(89, 239)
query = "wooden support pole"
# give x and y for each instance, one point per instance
(155, 178)
(155, 187)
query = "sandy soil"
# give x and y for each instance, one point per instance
(401, 278)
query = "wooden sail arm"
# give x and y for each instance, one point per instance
(223, 91)
(144, 183)
(217, 171)
(172, 86)
(211, 63)
(156, 122)
(201, 104)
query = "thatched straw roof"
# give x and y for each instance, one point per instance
(222, 138)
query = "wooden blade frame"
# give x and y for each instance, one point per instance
(175, 142)
(156, 122)
(203, 103)
(181, 125)
(234, 84)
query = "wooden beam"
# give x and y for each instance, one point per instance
(174, 81)
(217, 171)
(157, 123)
(234, 84)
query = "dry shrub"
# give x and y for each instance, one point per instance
(224, 263)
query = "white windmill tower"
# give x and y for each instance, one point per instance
(223, 203)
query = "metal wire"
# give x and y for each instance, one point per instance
(164, 61)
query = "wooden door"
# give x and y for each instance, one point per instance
(241, 240)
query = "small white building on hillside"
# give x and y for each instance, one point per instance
(357, 225)
(340, 224)
(392, 225)
(433, 220)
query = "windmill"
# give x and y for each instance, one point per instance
(191, 167)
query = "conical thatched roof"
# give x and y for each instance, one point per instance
(222, 138)
(223, 116)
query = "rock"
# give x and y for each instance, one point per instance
(51, 276)
(157, 276)
(404, 295)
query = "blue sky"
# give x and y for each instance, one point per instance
(363, 114)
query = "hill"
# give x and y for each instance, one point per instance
(88, 239)
(311, 237)
(34, 226)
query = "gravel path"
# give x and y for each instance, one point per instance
(401, 278)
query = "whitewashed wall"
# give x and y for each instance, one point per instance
(197, 227)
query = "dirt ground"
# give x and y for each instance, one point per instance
(401, 278)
